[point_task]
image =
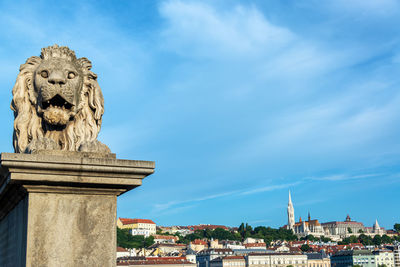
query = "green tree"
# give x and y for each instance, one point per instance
(360, 231)
(241, 228)
(305, 248)
(349, 230)
(365, 240)
(325, 239)
(126, 240)
(386, 239)
(348, 240)
(396, 227)
(377, 240)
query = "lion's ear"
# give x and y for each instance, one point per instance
(84, 63)
(23, 104)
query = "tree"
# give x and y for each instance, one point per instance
(241, 228)
(325, 239)
(386, 239)
(396, 227)
(365, 240)
(126, 240)
(306, 248)
(377, 240)
(360, 231)
(349, 230)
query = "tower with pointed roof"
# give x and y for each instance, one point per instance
(376, 229)
(290, 212)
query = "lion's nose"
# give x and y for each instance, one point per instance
(57, 77)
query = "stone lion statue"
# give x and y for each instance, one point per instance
(57, 104)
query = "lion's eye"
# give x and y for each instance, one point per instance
(71, 75)
(44, 74)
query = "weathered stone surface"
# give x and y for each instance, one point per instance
(13, 230)
(57, 104)
(69, 229)
(71, 204)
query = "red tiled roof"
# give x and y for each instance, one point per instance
(348, 222)
(206, 226)
(255, 245)
(126, 221)
(233, 258)
(165, 237)
(199, 242)
(119, 249)
(152, 261)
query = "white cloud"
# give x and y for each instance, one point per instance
(207, 32)
(270, 188)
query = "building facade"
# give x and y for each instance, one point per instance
(137, 226)
(228, 261)
(318, 260)
(204, 257)
(396, 255)
(344, 228)
(346, 258)
(276, 260)
(384, 257)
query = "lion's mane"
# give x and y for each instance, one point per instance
(29, 126)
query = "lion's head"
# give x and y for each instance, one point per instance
(57, 103)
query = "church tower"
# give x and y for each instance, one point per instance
(290, 212)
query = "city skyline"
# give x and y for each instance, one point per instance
(237, 102)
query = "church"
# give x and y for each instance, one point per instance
(303, 228)
(335, 229)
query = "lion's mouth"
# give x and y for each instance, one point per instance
(57, 111)
(57, 102)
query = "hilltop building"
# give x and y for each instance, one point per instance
(137, 226)
(302, 228)
(344, 228)
(335, 229)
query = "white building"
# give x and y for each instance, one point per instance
(276, 260)
(396, 255)
(137, 226)
(384, 257)
(251, 240)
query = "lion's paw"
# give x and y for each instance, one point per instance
(42, 143)
(94, 146)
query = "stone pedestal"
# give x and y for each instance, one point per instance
(59, 208)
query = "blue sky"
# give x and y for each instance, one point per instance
(236, 101)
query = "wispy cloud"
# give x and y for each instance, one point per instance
(170, 204)
(239, 31)
(270, 188)
(342, 177)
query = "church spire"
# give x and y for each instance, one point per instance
(376, 228)
(376, 225)
(290, 212)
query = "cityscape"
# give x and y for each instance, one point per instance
(200, 133)
(305, 243)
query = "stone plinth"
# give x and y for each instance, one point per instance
(59, 209)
